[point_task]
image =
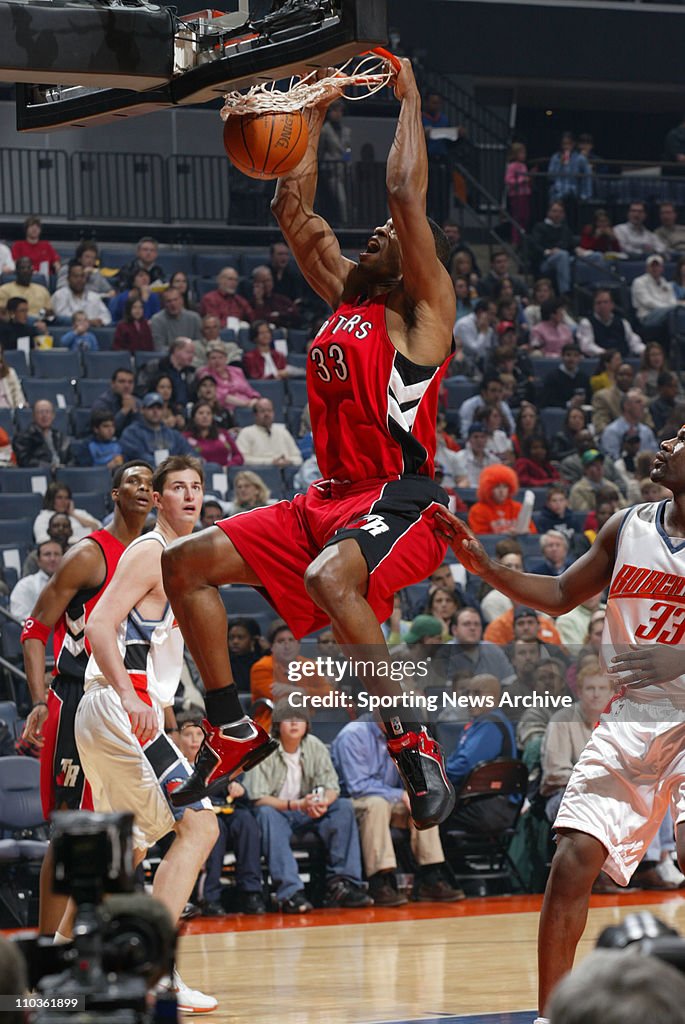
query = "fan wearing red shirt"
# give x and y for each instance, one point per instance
(340, 552)
(42, 255)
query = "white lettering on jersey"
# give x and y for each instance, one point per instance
(374, 525)
(71, 771)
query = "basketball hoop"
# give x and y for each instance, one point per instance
(373, 72)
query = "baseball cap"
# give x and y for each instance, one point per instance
(590, 456)
(152, 398)
(522, 611)
(423, 626)
(476, 428)
(655, 258)
(505, 325)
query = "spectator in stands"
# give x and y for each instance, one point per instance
(249, 491)
(551, 334)
(528, 425)
(679, 279)
(500, 270)
(463, 264)
(552, 242)
(492, 602)
(570, 172)
(269, 305)
(542, 291)
(147, 252)
(635, 240)
(212, 512)
(497, 441)
(287, 281)
(663, 406)
(225, 303)
(80, 338)
(565, 440)
(607, 403)
(475, 333)
(370, 779)
(174, 321)
(555, 515)
(17, 325)
(140, 288)
(469, 652)
(101, 448)
(6, 261)
(75, 297)
(627, 463)
(655, 300)
(210, 441)
(490, 394)
(568, 386)
(521, 624)
(598, 236)
(533, 467)
(58, 498)
(205, 391)
(634, 412)
(44, 259)
(87, 255)
(232, 387)
(606, 329)
(26, 591)
(265, 362)
(467, 464)
(41, 444)
(11, 394)
(574, 626)
(652, 365)
(583, 494)
(457, 244)
(496, 511)
(23, 287)
(177, 364)
(465, 294)
(245, 646)
(147, 438)
(238, 831)
(266, 442)
(606, 369)
(59, 530)
(555, 554)
(179, 281)
(173, 414)
(119, 400)
(670, 232)
(442, 604)
(133, 332)
(211, 331)
(518, 187)
(286, 793)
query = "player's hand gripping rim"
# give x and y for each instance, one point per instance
(463, 542)
(647, 665)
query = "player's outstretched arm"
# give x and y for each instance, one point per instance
(83, 567)
(425, 281)
(310, 238)
(554, 595)
(128, 587)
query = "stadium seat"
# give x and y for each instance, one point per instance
(142, 357)
(94, 502)
(228, 335)
(105, 337)
(114, 259)
(275, 390)
(17, 531)
(24, 481)
(458, 391)
(293, 415)
(244, 601)
(7, 421)
(530, 545)
(542, 366)
(80, 421)
(58, 391)
(90, 388)
(250, 260)
(552, 419)
(15, 358)
(203, 285)
(21, 505)
(297, 340)
(170, 262)
(85, 478)
(243, 417)
(209, 264)
(24, 418)
(55, 363)
(298, 359)
(104, 364)
(297, 391)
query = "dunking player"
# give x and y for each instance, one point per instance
(64, 605)
(132, 675)
(634, 763)
(341, 551)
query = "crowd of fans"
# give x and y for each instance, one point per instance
(549, 420)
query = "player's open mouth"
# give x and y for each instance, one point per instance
(373, 245)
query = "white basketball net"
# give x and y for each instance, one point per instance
(372, 73)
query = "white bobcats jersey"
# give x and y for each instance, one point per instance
(152, 649)
(647, 594)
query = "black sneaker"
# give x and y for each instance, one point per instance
(383, 889)
(421, 764)
(252, 903)
(295, 904)
(212, 908)
(341, 892)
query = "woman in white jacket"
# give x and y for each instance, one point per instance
(11, 394)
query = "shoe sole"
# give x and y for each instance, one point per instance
(251, 761)
(194, 1011)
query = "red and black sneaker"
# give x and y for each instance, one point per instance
(221, 757)
(421, 764)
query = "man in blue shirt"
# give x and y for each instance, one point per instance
(370, 778)
(487, 735)
(147, 438)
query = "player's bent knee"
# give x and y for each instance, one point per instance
(576, 863)
(200, 826)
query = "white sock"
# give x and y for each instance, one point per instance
(541, 1020)
(61, 940)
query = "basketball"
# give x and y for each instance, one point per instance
(265, 145)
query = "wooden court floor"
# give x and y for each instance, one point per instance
(424, 962)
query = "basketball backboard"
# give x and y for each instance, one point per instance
(128, 60)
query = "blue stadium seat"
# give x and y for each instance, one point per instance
(17, 531)
(56, 363)
(24, 418)
(7, 421)
(552, 419)
(243, 417)
(589, 366)
(530, 545)
(39, 390)
(293, 415)
(271, 475)
(203, 285)
(14, 480)
(80, 421)
(469, 495)
(297, 390)
(298, 359)
(13, 506)
(141, 358)
(244, 601)
(90, 388)
(94, 502)
(228, 334)
(250, 260)
(103, 364)
(15, 358)
(114, 259)
(85, 478)
(209, 264)
(542, 366)
(105, 337)
(275, 390)
(170, 262)
(297, 340)
(458, 391)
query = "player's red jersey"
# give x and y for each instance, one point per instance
(70, 647)
(372, 410)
